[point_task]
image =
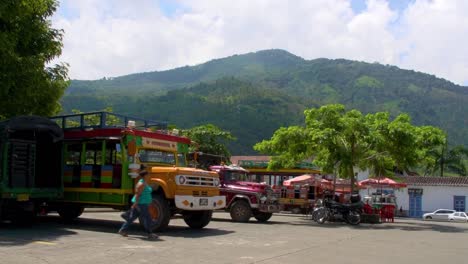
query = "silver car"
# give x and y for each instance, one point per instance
(458, 217)
(440, 214)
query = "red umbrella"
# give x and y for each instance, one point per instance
(381, 183)
(303, 179)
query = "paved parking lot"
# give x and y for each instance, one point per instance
(285, 239)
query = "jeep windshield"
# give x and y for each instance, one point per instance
(236, 176)
(156, 156)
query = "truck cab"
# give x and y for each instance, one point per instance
(245, 198)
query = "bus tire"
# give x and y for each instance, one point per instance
(159, 212)
(70, 212)
(197, 219)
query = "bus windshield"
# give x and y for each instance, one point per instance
(156, 156)
(236, 176)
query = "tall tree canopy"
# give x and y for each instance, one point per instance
(27, 45)
(210, 139)
(340, 140)
(445, 159)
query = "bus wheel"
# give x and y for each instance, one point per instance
(197, 219)
(160, 214)
(70, 212)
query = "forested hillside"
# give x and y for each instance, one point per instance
(252, 95)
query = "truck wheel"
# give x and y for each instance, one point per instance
(70, 212)
(23, 214)
(160, 214)
(240, 211)
(262, 217)
(197, 219)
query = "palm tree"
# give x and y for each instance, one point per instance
(453, 160)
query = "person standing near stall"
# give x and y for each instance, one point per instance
(140, 207)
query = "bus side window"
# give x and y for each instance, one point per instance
(94, 153)
(114, 159)
(113, 154)
(72, 165)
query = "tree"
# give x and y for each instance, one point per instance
(443, 159)
(340, 141)
(27, 45)
(397, 144)
(210, 139)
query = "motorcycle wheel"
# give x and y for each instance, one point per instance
(321, 216)
(353, 218)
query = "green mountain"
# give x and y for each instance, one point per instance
(253, 94)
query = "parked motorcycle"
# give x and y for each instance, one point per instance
(330, 210)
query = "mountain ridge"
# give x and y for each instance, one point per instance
(271, 76)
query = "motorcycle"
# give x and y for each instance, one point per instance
(330, 210)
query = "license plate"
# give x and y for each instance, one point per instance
(22, 197)
(203, 202)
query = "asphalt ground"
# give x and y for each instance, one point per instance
(284, 239)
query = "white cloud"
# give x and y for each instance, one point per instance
(112, 38)
(436, 36)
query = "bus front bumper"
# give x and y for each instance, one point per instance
(195, 203)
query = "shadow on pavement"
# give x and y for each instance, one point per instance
(38, 232)
(401, 224)
(50, 228)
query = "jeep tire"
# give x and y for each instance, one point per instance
(240, 211)
(197, 219)
(262, 216)
(159, 212)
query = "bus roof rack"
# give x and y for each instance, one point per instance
(102, 119)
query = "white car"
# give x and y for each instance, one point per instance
(458, 217)
(440, 214)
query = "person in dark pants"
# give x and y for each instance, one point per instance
(140, 207)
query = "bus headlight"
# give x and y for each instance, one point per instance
(216, 182)
(181, 179)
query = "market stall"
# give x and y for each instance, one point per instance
(381, 200)
(298, 194)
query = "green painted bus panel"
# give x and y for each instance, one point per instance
(52, 193)
(138, 140)
(182, 148)
(96, 198)
(127, 181)
(112, 198)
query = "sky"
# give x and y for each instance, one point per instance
(109, 38)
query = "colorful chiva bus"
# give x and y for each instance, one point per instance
(103, 153)
(30, 166)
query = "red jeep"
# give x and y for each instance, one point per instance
(244, 198)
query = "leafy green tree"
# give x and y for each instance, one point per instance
(209, 139)
(443, 159)
(340, 140)
(27, 45)
(397, 144)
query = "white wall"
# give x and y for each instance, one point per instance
(362, 175)
(434, 197)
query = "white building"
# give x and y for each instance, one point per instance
(426, 194)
